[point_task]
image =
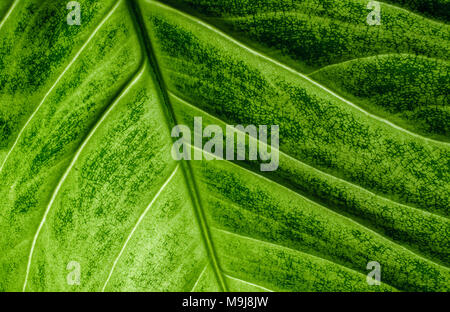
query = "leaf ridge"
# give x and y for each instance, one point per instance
(199, 277)
(305, 13)
(317, 254)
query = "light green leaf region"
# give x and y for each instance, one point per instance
(92, 200)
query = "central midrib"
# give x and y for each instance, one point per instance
(171, 121)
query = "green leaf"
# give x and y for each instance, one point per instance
(88, 183)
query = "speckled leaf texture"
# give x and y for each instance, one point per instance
(87, 176)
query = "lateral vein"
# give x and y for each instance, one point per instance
(264, 242)
(142, 216)
(11, 8)
(255, 285)
(199, 277)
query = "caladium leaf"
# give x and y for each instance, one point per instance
(92, 198)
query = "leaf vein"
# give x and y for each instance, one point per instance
(10, 10)
(141, 217)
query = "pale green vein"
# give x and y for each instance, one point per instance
(69, 168)
(11, 9)
(248, 283)
(58, 80)
(142, 216)
(293, 71)
(199, 278)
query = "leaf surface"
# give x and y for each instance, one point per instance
(87, 174)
